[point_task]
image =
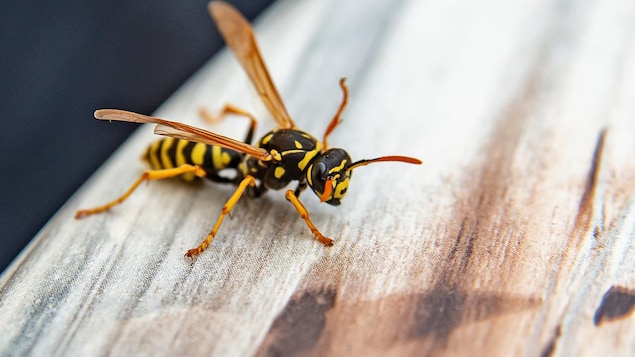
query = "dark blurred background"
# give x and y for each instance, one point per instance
(59, 61)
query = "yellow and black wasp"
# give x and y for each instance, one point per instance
(283, 155)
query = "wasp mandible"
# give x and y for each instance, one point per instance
(281, 156)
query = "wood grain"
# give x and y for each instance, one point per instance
(514, 238)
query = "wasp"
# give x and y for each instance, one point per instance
(283, 155)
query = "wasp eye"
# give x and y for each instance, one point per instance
(318, 175)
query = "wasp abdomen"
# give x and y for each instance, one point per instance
(169, 153)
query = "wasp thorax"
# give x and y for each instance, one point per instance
(328, 175)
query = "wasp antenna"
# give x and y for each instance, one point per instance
(337, 118)
(396, 158)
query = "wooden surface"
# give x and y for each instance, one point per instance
(514, 238)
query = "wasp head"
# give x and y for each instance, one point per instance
(329, 175)
(330, 172)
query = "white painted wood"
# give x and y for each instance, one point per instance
(504, 243)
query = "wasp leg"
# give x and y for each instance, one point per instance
(258, 190)
(337, 118)
(231, 202)
(231, 109)
(302, 185)
(291, 197)
(146, 176)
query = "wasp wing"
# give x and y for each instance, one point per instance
(183, 131)
(240, 38)
(209, 138)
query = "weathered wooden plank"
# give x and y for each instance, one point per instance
(515, 238)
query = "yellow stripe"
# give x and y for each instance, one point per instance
(153, 155)
(291, 151)
(309, 156)
(276, 155)
(338, 168)
(217, 159)
(198, 153)
(243, 168)
(165, 159)
(278, 172)
(180, 158)
(266, 139)
(308, 175)
(340, 187)
(226, 158)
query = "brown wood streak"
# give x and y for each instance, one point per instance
(487, 217)
(300, 324)
(422, 322)
(505, 249)
(585, 210)
(618, 302)
(551, 346)
(313, 323)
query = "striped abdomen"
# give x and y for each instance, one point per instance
(168, 153)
